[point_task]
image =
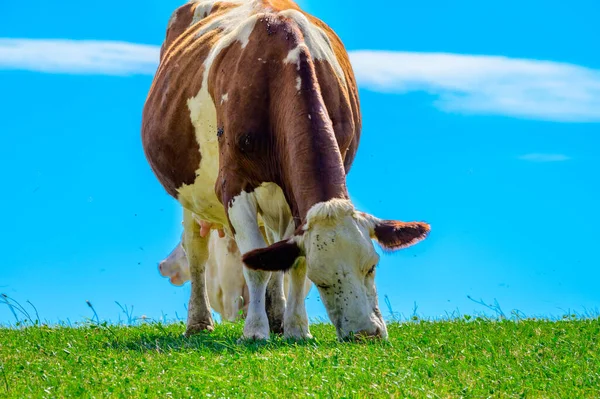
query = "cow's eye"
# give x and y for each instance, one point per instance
(371, 270)
(323, 286)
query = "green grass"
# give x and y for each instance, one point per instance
(457, 358)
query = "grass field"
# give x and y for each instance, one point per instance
(474, 358)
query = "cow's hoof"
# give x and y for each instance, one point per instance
(256, 327)
(198, 328)
(298, 336)
(254, 335)
(297, 331)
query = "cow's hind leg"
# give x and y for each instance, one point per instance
(275, 302)
(196, 247)
(231, 280)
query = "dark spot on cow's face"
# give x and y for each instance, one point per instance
(246, 143)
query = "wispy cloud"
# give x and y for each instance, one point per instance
(78, 56)
(459, 83)
(537, 157)
(486, 84)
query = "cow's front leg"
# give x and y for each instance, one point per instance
(295, 323)
(243, 217)
(196, 248)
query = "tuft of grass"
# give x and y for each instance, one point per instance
(461, 358)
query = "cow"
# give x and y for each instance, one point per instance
(225, 285)
(175, 265)
(254, 111)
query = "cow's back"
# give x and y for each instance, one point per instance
(179, 130)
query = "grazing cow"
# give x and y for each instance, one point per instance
(225, 285)
(253, 111)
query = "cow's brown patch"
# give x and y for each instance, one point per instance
(350, 95)
(232, 247)
(279, 5)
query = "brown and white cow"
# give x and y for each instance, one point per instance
(225, 284)
(253, 111)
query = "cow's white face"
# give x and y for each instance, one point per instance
(175, 266)
(341, 259)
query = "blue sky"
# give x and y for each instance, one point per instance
(482, 119)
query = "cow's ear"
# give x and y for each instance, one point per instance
(393, 234)
(280, 256)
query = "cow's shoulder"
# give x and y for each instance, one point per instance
(187, 19)
(180, 20)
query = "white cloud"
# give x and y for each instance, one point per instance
(78, 56)
(537, 157)
(486, 84)
(460, 83)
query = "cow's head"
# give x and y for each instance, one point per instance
(341, 258)
(175, 266)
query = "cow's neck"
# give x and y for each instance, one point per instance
(312, 164)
